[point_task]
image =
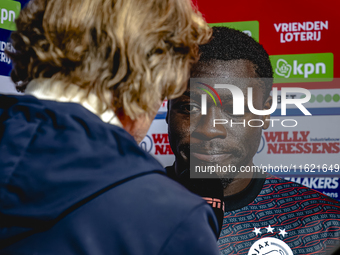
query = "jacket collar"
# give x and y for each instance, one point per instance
(47, 89)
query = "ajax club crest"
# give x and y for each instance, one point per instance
(270, 246)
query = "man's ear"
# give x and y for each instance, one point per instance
(167, 113)
(266, 106)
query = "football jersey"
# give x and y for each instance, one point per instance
(275, 216)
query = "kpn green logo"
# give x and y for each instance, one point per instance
(250, 28)
(9, 11)
(302, 67)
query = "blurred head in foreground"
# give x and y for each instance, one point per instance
(72, 181)
(128, 54)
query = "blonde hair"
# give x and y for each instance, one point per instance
(140, 51)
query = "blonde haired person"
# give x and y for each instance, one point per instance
(72, 177)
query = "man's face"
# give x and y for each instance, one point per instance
(193, 135)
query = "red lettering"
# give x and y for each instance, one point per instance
(160, 138)
(295, 137)
(307, 147)
(290, 147)
(168, 150)
(299, 147)
(159, 149)
(282, 148)
(163, 149)
(304, 135)
(273, 136)
(316, 147)
(327, 147)
(272, 148)
(336, 146)
(285, 137)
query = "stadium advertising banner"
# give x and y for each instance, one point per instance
(301, 39)
(9, 10)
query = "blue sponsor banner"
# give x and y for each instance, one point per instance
(326, 185)
(7, 15)
(5, 62)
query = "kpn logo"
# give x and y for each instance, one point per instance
(9, 11)
(303, 67)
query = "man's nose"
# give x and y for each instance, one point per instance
(206, 130)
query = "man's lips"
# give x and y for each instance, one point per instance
(211, 157)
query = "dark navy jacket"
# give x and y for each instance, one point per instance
(72, 184)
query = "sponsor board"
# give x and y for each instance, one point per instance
(301, 31)
(250, 28)
(157, 143)
(309, 148)
(3, 57)
(296, 29)
(326, 185)
(5, 61)
(9, 11)
(302, 67)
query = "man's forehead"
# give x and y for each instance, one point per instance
(240, 73)
(224, 69)
(198, 88)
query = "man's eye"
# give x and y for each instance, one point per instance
(190, 108)
(229, 110)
